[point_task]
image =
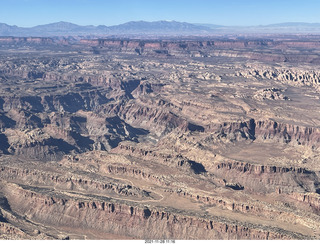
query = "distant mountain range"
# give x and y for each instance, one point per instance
(170, 28)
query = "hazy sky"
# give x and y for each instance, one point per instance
(112, 12)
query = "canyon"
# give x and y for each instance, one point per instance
(191, 138)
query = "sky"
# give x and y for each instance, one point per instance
(27, 13)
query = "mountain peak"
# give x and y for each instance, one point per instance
(60, 24)
(161, 27)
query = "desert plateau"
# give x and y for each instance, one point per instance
(160, 138)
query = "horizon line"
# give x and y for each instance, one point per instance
(194, 23)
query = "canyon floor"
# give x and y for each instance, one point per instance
(160, 139)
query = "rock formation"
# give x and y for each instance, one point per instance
(159, 139)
